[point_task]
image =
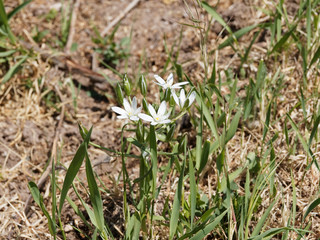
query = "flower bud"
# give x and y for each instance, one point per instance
(170, 133)
(143, 86)
(119, 93)
(140, 132)
(126, 85)
(145, 105)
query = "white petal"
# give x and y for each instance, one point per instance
(166, 116)
(134, 103)
(159, 79)
(119, 110)
(182, 97)
(126, 105)
(134, 118)
(177, 85)
(170, 80)
(154, 123)
(175, 97)
(152, 111)
(165, 121)
(162, 109)
(192, 97)
(137, 111)
(145, 117)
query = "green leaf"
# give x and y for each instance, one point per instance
(154, 158)
(74, 168)
(233, 126)
(17, 9)
(282, 41)
(176, 204)
(193, 191)
(95, 197)
(266, 124)
(13, 70)
(312, 206)
(316, 56)
(209, 227)
(238, 34)
(314, 130)
(204, 156)
(7, 53)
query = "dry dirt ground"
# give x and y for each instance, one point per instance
(29, 120)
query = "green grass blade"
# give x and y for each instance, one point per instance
(74, 168)
(154, 159)
(312, 206)
(177, 203)
(38, 199)
(17, 9)
(95, 196)
(199, 140)
(7, 53)
(193, 191)
(315, 58)
(13, 70)
(216, 16)
(266, 124)
(262, 220)
(238, 34)
(233, 126)
(283, 40)
(294, 199)
(314, 130)
(209, 227)
(204, 156)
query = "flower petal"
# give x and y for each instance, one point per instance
(134, 118)
(122, 116)
(159, 79)
(165, 121)
(177, 85)
(154, 123)
(192, 97)
(137, 111)
(182, 97)
(134, 103)
(119, 110)
(145, 117)
(162, 109)
(126, 105)
(152, 111)
(175, 97)
(170, 80)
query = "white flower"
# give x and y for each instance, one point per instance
(129, 111)
(169, 83)
(182, 98)
(160, 117)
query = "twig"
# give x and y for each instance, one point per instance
(120, 17)
(47, 172)
(72, 28)
(65, 62)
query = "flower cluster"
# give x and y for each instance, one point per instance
(132, 112)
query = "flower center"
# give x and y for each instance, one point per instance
(157, 118)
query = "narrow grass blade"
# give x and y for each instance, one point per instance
(312, 206)
(38, 199)
(314, 130)
(316, 56)
(74, 168)
(283, 40)
(17, 9)
(216, 16)
(154, 158)
(177, 202)
(95, 196)
(193, 191)
(13, 70)
(238, 34)
(7, 53)
(266, 123)
(209, 227)
(233, 126)
(294, 199)
(199, 140)
(204, 156)
(262, 220)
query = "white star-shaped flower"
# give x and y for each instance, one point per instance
(160, 117)
(130, 111)
(169, 83)
(181, 100)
